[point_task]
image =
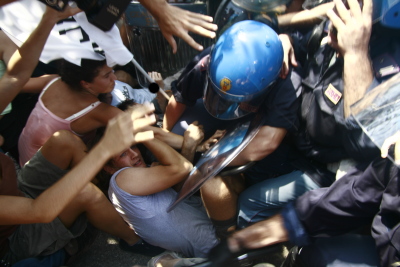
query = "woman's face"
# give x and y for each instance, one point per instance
(104, 82)
(129, 158)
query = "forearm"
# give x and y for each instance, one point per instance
(164, 153)
(357, 76)
(173, 140)
(173, 112)
(23, 61)
(266, 141)
(48, 205)
(305, 17)
(35, 85)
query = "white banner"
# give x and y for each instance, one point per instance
(71, 39)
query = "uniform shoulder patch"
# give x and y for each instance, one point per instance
(333, 94)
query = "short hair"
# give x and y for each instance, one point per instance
(73, 74)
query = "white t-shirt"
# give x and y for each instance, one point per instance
(123, 91)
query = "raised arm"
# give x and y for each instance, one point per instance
(353, 32)
(118, 136)
(173, 168)
(23, 61)
(173, 112)
(174, 21)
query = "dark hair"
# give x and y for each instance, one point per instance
(73, 74)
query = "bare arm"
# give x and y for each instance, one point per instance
(25, 59)
(305, 17)
(36, 85)
(353, 33)
(173, 169)
(174, 21)
(118, 136)
(173, 112)
(7, 48)
(264, 143)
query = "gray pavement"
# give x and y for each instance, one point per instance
(105, 252)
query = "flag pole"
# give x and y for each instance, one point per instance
(137, 65)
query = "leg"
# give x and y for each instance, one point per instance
(220, 196)
(266, 198)
(99, 212)
(65, 150)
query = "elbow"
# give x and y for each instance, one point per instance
(183, 168)
(258, 154)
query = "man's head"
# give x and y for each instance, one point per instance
(244, 62)
(131, 157)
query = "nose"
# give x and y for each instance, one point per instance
(133, 153)
(113, 76)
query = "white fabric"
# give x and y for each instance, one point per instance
(123, 91)
(20, 18)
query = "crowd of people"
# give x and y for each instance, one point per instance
(92, 153)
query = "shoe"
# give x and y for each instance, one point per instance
(142, 248)
(166, 255)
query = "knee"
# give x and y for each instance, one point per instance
(90, 195)
(66, 140)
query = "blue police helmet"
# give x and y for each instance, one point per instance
(244, 63)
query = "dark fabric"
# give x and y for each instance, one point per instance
(325, 135)
(361, 197)
(191, 83)
(280, 109)
(8, 187)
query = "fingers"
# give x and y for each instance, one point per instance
(342, 11)
(139, 124)
(140, 110)
(143, 136)
(336, 21)
(293, 60)
(367, 8)
(170, 39)
(190, 41)
(387, 143)
(355, 8)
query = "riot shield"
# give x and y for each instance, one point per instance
(219, 156)
(378, 113)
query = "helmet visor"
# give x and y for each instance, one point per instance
(225, 106)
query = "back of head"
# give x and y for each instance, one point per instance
(73, 74)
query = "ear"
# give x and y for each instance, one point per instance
(109, 169)
(84, 84)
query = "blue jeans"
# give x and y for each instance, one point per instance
(266, 198)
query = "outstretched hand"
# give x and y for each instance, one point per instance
(178, 22)
(203, 147)
(125, 129)
(353, 27)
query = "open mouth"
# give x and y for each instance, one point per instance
(137, 163)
